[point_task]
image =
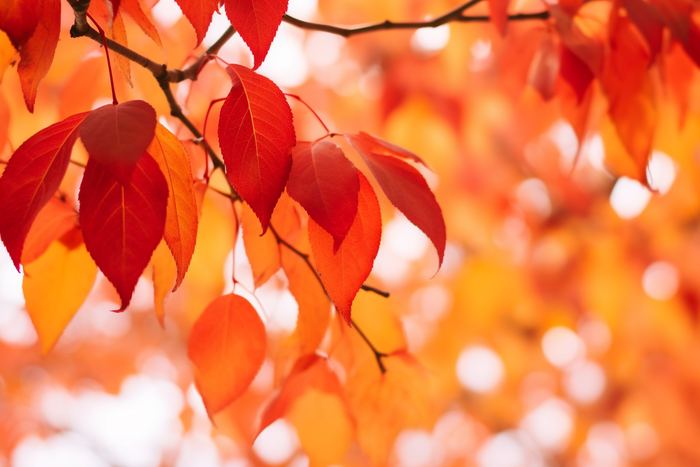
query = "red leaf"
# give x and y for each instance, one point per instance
(326, 185)
(19, 18)
(498, 12)
(123, 224)
(344, 271)
(407, 190)
(181, 220)
(133, 9)
(631, 94)
(379, 146)
(575, 72)
(544, 68)
(37, 53)
(309, 372)
(256, 135)
(257, 23)
(31, 178)
(647, 20)
(54, 220)
(227, 347)
(117, 136)
(199, 14)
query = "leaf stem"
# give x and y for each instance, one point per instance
(294, 96)
(377, 354)
(109, 64)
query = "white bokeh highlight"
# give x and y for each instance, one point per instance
(660, 280)
(480, 369)
(629, 198)
(562, 347)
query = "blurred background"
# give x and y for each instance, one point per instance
(561, 330)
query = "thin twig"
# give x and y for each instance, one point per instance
(192, 71)
(377, 354)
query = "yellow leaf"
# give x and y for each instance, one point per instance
(56, 285)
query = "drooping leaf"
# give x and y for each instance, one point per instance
(37, 53)
(54, 220)
(407, 190)
(386, 403)
(256, 136)
(134, 10)
(19, 19)
(344, 271)
(122, 225)
(647, 20)
(314, 306)
(31, 178)
(199, 14)
(227, 347)
(262, 250)
(582, 34)
(164, 277)
(116, 136)
(376, 145)
(181, 220)
(545, 68)
(326, 185)
(631, 95)
(56, 285)
(498, 12)
(309, 371)
(257, 23)
(575, 72)
(113, 23)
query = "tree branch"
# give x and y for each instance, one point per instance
(456, 16)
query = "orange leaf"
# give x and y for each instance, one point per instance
(56, 285)
(37, 53)
(227, 347)
(122, 225)
(309, 371)
(55, 220)
(386, 403)
(181, 219)
(498, 12)
(164, 277)
(314, 306)
(631, 95)
(133, 9)
(544, 68)
(344, 272)
(261, 250)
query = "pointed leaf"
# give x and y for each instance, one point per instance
(256, 135)
(37, 53)
(314, 306)
(227, 347)
(379, 146)
(344, 271)
(164, 276)
(575, 72)
(19, 18)
(647, 20)
(199, 14)
(262, 250)
(31, 178)
(181, 219)
(257, 23)
(407, 190)
(309, 371)
(55, 219)
(631, 95)
(498, 12)
(56, 285)
(122, 225)
(134, 10)
(326, 185)
(116, 136)
(386, 403)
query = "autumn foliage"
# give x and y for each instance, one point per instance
(432, 194)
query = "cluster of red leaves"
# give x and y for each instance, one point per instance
(138, 189)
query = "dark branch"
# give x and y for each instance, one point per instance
(377, 354)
